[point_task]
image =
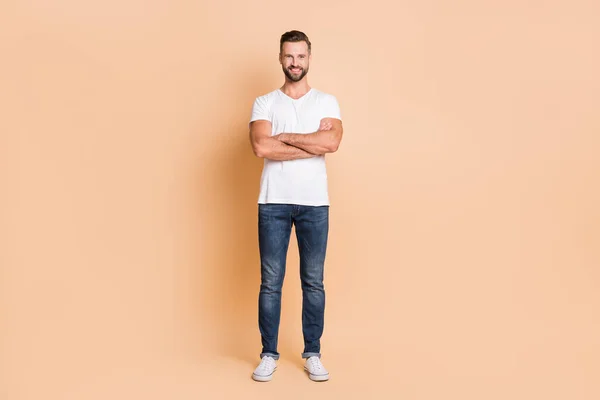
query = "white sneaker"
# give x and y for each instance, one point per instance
(264, 371)
(316, 370)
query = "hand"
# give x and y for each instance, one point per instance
(325, 126)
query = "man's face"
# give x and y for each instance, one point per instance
(294, 59)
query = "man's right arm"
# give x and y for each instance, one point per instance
(266, 146)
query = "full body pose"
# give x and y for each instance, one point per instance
(292, 128)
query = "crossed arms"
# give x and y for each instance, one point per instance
(294, 146)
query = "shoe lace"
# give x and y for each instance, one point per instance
(315, 363)
(266, 362)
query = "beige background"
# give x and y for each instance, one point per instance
(465, 228)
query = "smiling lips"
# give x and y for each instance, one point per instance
(296, 70)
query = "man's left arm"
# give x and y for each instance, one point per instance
(326, 140)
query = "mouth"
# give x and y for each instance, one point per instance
(296, 70)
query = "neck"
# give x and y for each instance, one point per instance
(295, 89)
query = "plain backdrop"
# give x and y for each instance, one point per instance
(464, 249)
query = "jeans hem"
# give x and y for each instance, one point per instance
(275, 356)
(307, 355)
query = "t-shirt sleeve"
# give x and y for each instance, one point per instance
(331, 108)
(260, 110)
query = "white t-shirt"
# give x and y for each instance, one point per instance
(303, 181)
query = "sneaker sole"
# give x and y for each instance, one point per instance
(317, 378)
(260, 378)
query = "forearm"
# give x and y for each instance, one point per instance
(317, 143)
(273, 149)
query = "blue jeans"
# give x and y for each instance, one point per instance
(274, 229)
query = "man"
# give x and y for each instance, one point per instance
(293, 128)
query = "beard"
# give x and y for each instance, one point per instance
(295, 78)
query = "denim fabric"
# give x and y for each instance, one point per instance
(274, 230)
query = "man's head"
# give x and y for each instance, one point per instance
(294, 55)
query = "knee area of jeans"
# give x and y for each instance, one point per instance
(271, 286)
(313, 284)
(271, 279)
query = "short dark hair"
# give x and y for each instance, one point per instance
(294, 36)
